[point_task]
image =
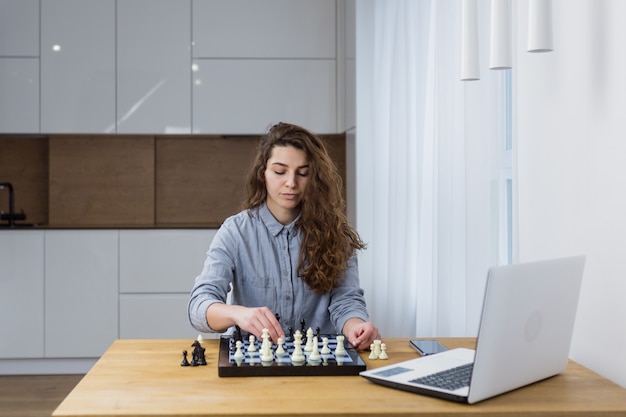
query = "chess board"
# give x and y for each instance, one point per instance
(349, 363)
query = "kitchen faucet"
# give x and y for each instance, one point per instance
(12, 215)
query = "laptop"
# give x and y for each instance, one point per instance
(524, 336)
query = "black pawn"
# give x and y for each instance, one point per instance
(185, 362)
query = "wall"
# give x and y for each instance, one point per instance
(570, 171)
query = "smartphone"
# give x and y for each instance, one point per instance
(427, 347)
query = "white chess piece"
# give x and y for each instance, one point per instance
(297, 357)
(309, 340)
(251, 346)
(266, 339)
(373, 354)
(383, 352)
(314, 356)
(238, 353)
(325, 349)
(340, 350)
(280, 350)
(377, 344)
(266, 354)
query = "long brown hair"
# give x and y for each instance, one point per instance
(328, 241)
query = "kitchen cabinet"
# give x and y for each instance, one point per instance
(21, 294)
(81, 297)
(78, 66)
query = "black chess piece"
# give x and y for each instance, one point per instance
(302, 326)
(185, 362)
(196, 354)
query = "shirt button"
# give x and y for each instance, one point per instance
(288, 297)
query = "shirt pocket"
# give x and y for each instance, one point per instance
(257, 291)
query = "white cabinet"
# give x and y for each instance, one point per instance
(21, 294)
(154, 66)
(81, 298)
(78, 66)
(19, 97)
(171, 66)
(155, 316)
(258, 63)
(264, 29)
(157, 272)
(19, 66)
(245, 96)
(19, 28)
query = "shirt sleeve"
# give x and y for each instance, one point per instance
(213, 283)
(347, 299)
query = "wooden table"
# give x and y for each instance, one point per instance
(144, 378)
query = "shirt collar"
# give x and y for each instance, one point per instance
(274, 226)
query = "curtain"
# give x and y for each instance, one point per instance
(429, 164)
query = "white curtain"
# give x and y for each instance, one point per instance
(429, 164)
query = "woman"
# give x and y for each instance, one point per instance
(290, 256)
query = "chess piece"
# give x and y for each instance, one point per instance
(325, 349)
(251, 345)
(238, 353)
(280, 350)
(266, 348)
(373, 354)
(185, 362)
(377, 344)
(309, 340)
(297, 357)
(315, 356)
(383, 352)
(302, 324)
(340, 350)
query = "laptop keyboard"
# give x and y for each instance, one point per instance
(450, 379)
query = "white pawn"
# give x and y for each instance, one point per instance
(280, 351)
(251, 346)
(373, 354)
(340, 350)
(383, 352)
(325, 349)
(238, 353)
(377, 347)
(314, 356)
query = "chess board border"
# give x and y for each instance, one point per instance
(226, 368)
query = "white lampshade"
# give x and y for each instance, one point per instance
(540, 26)
(500, 56)
(470, 70)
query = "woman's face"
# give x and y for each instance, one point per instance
(286, 177)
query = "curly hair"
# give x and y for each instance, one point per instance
(328, 241)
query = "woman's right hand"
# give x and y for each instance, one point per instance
(249, 319)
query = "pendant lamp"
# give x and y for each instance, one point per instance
(500, 55)
(470, 70)
(540, 26)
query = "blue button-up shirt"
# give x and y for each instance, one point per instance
(258, 256)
